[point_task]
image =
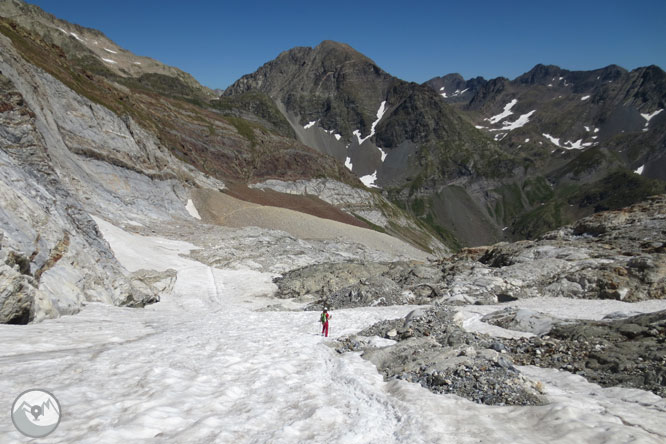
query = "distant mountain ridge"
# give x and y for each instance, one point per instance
(608, 107)
(477, 159)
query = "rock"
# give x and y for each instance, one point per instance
(392, 333)
(521, 320)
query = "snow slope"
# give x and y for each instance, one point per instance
(204, 365)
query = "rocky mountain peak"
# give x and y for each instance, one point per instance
(541, 74)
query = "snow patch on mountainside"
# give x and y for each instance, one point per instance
(109, 61)
(348, 163)
(518, 123)
(192, 209)
(568, 145)
(310, 124)
(383, 153)
(504, 114)
(582, 99)
(380, 114)
(639, 170)
(369, 180)
(649, 116)
(110, 50)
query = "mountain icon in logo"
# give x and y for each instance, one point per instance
(36, 413)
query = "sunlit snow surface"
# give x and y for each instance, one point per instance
(639, 170)
(504, 114)
(203, 366)
(369, 180)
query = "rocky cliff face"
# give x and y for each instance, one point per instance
(64, 158)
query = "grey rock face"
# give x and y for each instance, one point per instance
(611, 255)
(355, 284)
(62, 158)
(522, 320)
(629, 352)
(17, 295)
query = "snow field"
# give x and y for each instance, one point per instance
(204, 366)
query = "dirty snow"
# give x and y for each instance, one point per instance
(192, 209)
(639, 170)
(369, 180)
(504, 114)
(204, 366)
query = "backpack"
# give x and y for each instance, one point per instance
(323, 318)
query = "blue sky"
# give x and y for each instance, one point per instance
(219, 41)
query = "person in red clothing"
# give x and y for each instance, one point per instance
(324, 322)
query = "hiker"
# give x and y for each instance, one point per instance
(324, 322)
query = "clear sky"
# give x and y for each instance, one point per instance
(219, 41)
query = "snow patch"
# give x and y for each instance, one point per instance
(337, 136)
(587, 128)
(348, 163)
(310, 124)
(553, 140)
(527, 140)
(110, 50)
(109, 60)
(584, 98)
(649, 116)
(192, 209)
(577, 145)
(518, 123)
(380, 114)
(504, 114)
(383, 154)
(369, 180)
(639, 170)
(73, 34)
